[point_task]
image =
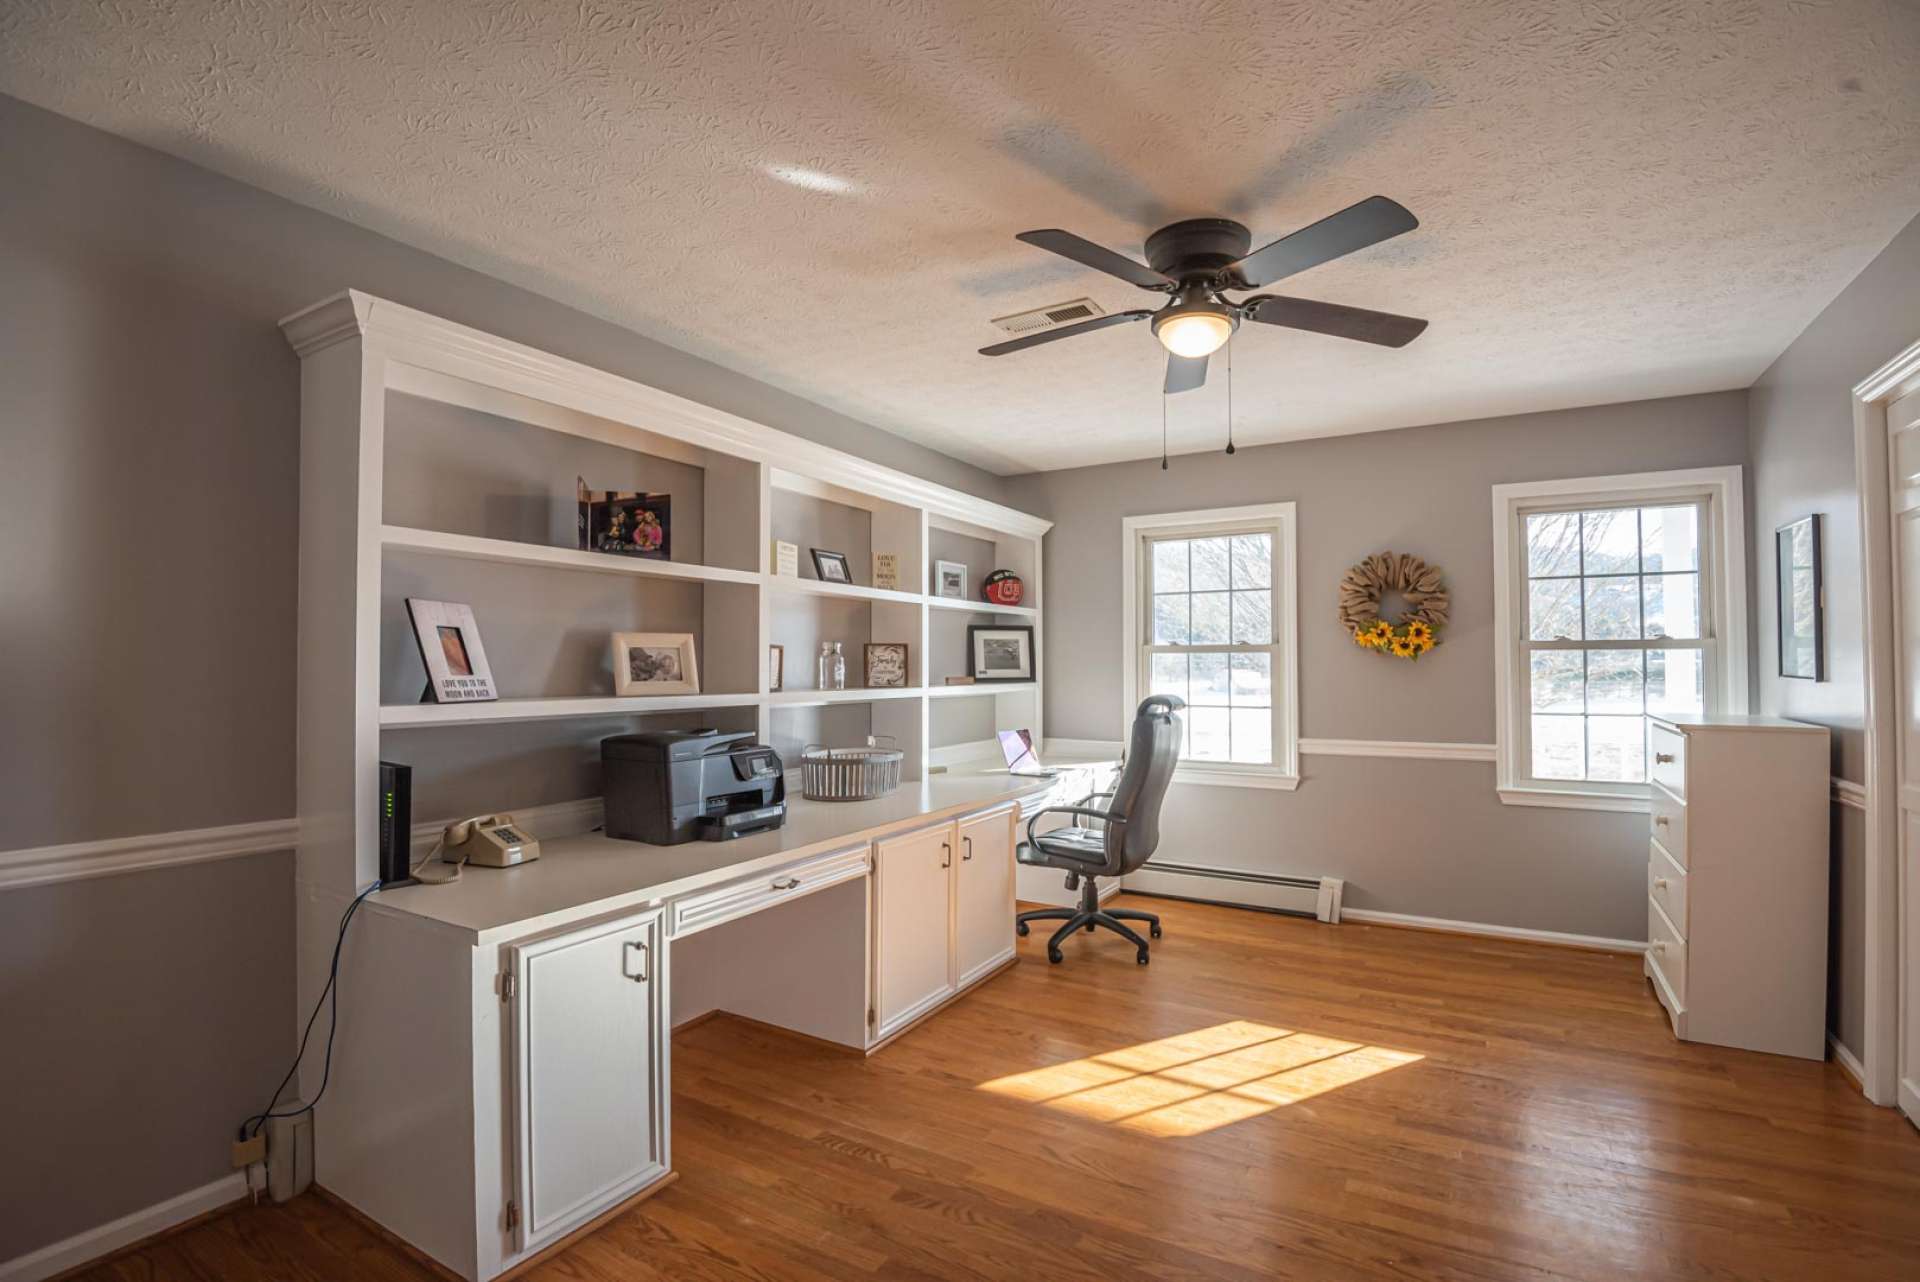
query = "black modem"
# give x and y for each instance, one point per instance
(396, 823)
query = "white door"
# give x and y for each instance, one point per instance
(1903, 456)
(983, 896)
(590, 1073)
(912, 926)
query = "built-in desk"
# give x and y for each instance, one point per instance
(501, 1078)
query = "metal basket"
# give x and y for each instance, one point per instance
(848, 774)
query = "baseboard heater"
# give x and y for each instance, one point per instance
(1317, 897)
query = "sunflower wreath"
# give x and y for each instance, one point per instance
(1419, 583)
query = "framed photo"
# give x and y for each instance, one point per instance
(1001, 652)
(831, 567)
(456, 662)
(655, 663)
(786, 559)
(776, 667)
(1803, 652)
(625, 524)
(886, 664)
(950, 579)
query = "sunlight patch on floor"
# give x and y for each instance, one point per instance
(1196, 1082)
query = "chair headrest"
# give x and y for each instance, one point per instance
(1159, 705)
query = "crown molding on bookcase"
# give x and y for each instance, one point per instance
(416, 338)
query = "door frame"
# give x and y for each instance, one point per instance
(1880, 1056)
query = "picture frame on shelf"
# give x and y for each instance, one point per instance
(885, 665)
(950, 580)
(655, 663)
(776, 667)
(625, 523)
(831, 567)
(786, 559)
(456, 661)
(1000, 652)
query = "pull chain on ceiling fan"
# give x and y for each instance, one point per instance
(1198, 261)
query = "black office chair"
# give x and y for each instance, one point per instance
(1129, 830)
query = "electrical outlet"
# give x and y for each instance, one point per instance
(247, 1152)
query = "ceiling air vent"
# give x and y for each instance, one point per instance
(1052, 317)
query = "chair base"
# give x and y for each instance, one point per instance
(1088, 916)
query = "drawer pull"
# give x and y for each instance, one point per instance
(786, 883)
(1659, 883)
(1657, 946)
(1661, 821)
(1663, 758)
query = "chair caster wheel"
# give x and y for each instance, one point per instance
(1020, 929)
(1155, 932)
(1053, 955)
(1141, 957)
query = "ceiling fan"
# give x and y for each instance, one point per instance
(1198, 260)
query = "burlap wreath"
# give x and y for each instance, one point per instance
(1420, 583)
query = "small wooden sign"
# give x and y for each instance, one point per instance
(886, 571)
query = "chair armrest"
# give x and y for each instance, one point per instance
(1107, 816)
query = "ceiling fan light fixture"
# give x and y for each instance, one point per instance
(1193, 328)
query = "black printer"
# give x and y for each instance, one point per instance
(670, 786)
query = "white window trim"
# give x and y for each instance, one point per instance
(1726, 568)
(1284, 772)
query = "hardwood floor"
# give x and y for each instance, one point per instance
(1271, 1098)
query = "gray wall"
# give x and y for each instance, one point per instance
(149, 419)
(1445, 846)
(1800, 438)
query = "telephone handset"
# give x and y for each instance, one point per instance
(489, 841)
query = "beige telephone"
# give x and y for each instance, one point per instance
(488, 841)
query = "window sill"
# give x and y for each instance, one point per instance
(1229, 778)
(1568, 799)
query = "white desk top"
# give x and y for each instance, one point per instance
(585, 876)
(1732, 721)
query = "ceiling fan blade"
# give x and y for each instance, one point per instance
(1066, 331)
(1383, 328)
(1184, 373)
(1357, 226)
(1098, 257)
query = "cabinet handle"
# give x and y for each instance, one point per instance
(1657, 946)
(633, 962)
(786, 883)
(946, 854)
(1663, 758)
(1660, 821)
(1659, 883)
(968, 843)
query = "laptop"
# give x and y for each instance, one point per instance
(1017, 747)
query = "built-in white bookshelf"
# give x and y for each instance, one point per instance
(438, 462)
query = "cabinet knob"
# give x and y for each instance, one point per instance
(1660, 821)
(786, 883)
(1659, 883)
(1663, 758)
(1657, 946)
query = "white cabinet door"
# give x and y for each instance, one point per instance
(590, 1072)
(912, 925)
(983, 895)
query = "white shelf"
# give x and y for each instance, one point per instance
(979, 688)
(504, 551)
(804, 698)
(982, 607)
(845, 591)
(468, 714)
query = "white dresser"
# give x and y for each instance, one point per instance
(1737, 881)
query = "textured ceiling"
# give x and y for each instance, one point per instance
(1620, 199)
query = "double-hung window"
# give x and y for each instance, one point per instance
(1210, 619)
(1619, 599)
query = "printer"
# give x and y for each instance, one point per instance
(669, 786)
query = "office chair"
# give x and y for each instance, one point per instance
(1129, 830)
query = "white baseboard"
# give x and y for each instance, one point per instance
(1849, 1062)
(1596, 943)
(85, 1247)
(1910, 1097)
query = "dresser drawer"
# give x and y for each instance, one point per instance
(1667, 885)
(1668, 823)
(1667, 759)
(1667, 952)
(737, 899)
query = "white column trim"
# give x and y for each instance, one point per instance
(42, 865)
